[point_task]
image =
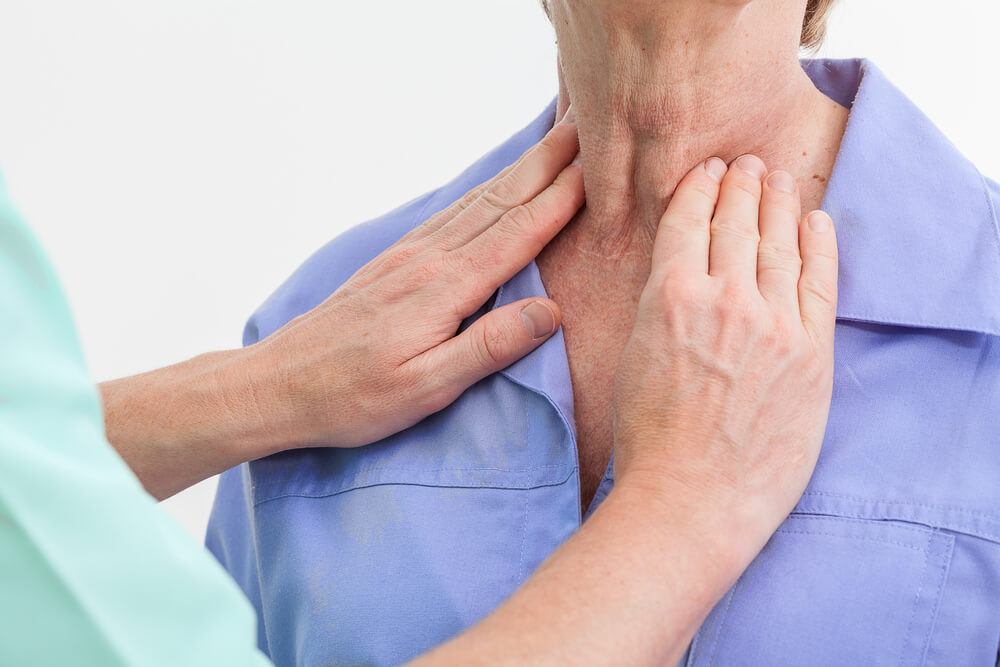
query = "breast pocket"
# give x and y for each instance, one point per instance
(832, 591)
(375, 555)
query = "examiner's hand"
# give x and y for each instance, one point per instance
(723, 390)
(382, 352)
(378, 355)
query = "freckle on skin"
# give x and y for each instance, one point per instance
(819, 178)
(804, 153)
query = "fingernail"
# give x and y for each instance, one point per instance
(819, 221)
(782, 181)
(751, 165)
(570, 115)
(538, 319)
(716, 168)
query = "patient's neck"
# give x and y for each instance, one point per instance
(657, 90)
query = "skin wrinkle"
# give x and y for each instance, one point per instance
(657, 87)
(638, 137)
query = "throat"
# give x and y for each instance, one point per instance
(657, 96)
(630, 179)
(598, 315)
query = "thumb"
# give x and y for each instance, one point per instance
(491, 343)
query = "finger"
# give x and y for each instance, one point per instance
(735, 233)
(682, 238)
(779, 263)
(818, 283)
(444, 240)
(522, 232)
(490, 344)
(531, 175)
(433, 223)
(442, 218)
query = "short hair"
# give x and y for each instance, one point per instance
(813, 24)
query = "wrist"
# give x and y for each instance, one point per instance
(727, 540)
(680, 562)
(178, 425)
(257, 393)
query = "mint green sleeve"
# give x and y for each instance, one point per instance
(92, 572)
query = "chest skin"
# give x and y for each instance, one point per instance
(597, 282)
(598, 315)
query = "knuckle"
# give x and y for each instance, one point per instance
(420, 272)
(779, 255)
(568, 184)
(786, 204)
(660, 280)
(826, 255)
(522, 225)
(459, 206)
(704, 187)
(681, 293)
(494, 199)
(550, 141)
(778, 335)
(471, 289)
(655, 295)
(687, 220)
(745, 230)
(482, 259)
(401, 256)
(502, 194)
(492, 344)
(734, 297)
(471, 196)
(777, 273)
(429, 271)
(820, 290)
(747, 184)
(519, 219)
(557, 138)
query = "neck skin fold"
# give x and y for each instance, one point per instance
(658, 87)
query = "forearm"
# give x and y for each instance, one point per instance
(630, 588)
(178, 425)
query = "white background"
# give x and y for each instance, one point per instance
(180, 158)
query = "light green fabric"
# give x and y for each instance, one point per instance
(92, 572)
